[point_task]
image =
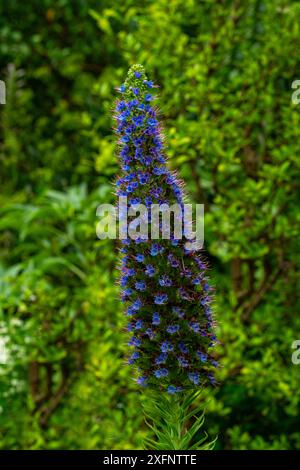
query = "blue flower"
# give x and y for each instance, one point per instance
(152, 122)
(161, 159)
(200, 263)
(149, 332)
(183, 362)
(138, 154)
(172, 389)
(211, 379)
(155, 249)
(121, 105)
(141, 239)
(160, 299)
(178, 311)
(131, 311)
(161, 373)
(165, 281)
(137, 120)
(124, 281)
(208, 312)
(146, 160)
(130, 272)
(155, 319)
(128, 130)
(148, 201)
(173, 329)
(184, 294)
(166, 347)
(143, 179)
(128, 292)
(214, 363)
(202, 356)
(133, 104)
(133, 357)
(122, 88)
(150, 270)
(125, 138)
(161, 359)
(138, 324)
(142, 381)
(134, 341)
(134, 201)
(137, 304)
(134, 185)
(140, 258)
(194, 377)
(124, 151)
(140, 285)
(137, 74)
(195, 326)
(183, 348)
(148, 97)
(173, 261)
(159, 170)
(156, 192)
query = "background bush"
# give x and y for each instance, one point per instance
(225, 70)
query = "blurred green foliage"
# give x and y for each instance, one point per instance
(225, 70)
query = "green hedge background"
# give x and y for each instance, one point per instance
(225, 71)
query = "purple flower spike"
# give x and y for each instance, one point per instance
(164, 285)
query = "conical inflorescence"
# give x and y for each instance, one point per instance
(164, 285)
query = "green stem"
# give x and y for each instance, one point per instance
(175, 421)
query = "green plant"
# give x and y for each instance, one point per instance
(175, 421)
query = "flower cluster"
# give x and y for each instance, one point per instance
(165, 288)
